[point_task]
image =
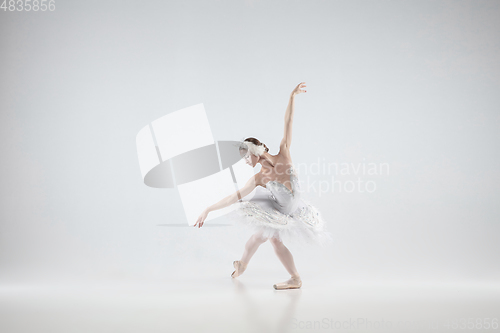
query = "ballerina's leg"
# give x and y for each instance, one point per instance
(251, 247)
(285, 256)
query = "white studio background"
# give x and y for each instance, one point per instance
(413, 84)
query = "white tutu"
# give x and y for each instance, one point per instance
(277, 212)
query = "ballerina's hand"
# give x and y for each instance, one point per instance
(201, 219)
(298, 89)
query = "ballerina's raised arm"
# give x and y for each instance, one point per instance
(257, 178)
(287, 135)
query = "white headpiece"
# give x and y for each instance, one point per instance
(253, 148)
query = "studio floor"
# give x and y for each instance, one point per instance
(249, 304)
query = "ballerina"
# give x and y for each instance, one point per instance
(280, 214)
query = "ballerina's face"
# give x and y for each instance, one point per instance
(250, 158)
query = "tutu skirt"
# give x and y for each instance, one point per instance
(304, 226)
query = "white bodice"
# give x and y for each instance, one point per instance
(284, 200)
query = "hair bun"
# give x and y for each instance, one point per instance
(257, 143)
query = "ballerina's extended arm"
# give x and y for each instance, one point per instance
(287, 135)
(229, 200)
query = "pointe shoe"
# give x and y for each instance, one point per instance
(292, 283)
(239, 268)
